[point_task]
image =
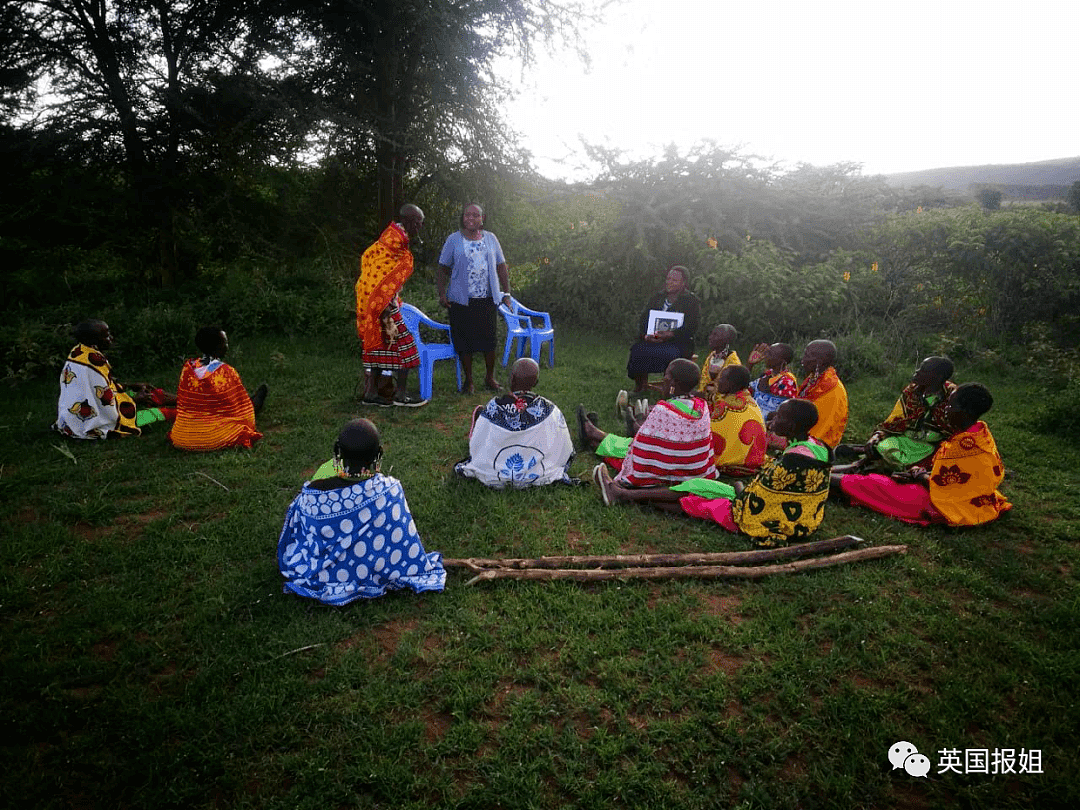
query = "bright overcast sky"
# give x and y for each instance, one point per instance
(893, 86)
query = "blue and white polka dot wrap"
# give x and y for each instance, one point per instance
(356, 542)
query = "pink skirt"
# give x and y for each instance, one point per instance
(907, 502)
(717, 509)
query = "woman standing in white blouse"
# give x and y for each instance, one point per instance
(473, 279)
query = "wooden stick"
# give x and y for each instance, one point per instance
(305, 648)
(632, 560)
(204, 475)
(687, 571)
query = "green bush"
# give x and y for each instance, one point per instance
(1060, 367)
(30, 349)
(765, 294)
(50, 277)
(980, 274)
(860, 354)
(599, 295)
(313, 298)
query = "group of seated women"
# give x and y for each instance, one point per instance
(348, 534)
(932, 460)
(753, 453)
(210, 409)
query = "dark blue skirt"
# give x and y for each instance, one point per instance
(472, 327)
(652, 358)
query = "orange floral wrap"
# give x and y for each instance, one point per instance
(384, 269)
(966, 474)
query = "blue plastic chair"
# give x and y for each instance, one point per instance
(430, 353)
(520, 326)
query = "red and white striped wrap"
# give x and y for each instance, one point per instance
(670, 447)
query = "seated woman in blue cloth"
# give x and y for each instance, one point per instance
(349, 534)
(655, 350)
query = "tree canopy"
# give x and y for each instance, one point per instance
(169, 93)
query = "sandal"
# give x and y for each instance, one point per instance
(622, 399)
(582, 437)
(600, 476)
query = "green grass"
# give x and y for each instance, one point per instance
(149, 658)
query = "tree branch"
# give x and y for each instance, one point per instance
(688, 571)
(643, 560)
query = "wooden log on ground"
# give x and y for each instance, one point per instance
(633, 560)
(687, 571)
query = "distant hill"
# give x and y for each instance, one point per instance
(1045, 180)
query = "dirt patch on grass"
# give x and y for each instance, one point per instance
(723, 605)
(388, 636)
(505, 691)
(105, 650)
(84, 531)
(169, 679)
(436, 724)
(456, 428)
(583, 727)
(430, 649)
(642, 722)
(1028, 595)
(864, 682)
(25, 516)
(84, 693)
(735, 780)
(660, 594)
(911, 795)
(140, 520)
(792, 768)
(121, 525)
(578, 543)
(717, 660)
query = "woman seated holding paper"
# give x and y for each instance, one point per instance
(666, 329)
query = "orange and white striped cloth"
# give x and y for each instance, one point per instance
(212, 409)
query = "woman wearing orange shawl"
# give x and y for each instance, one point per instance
(824, 389)
(212, 408)
(388, 344)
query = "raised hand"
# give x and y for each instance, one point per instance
(757, 354)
